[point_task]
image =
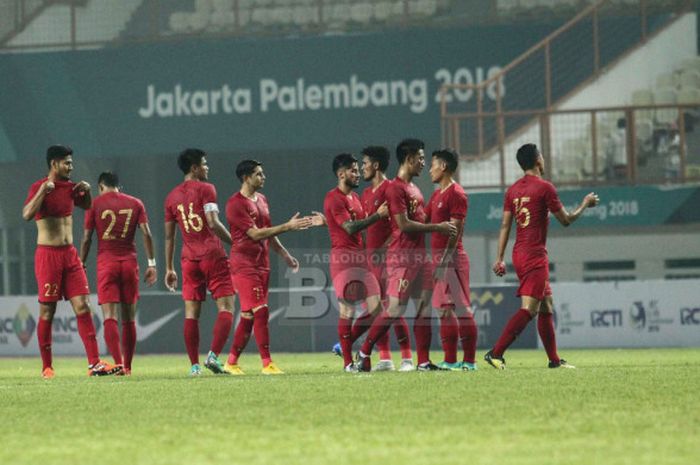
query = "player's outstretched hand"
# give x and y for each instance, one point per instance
(499, 268)
(171, 280)
(448, 229)
(48, 187)
(150, 277)
(82, 186)
(292, 263)
(318, 219)
(297, 223)
(383, 210)
(591, 199)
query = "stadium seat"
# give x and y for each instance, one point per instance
(422, 8)
(641, 98)
(666, 80)
(304, 15)
(199, 20)
(282, 15)
(204, 6)
(361, 12)
(689, 78)
(665, 116)
(688, 95)
(179, 22)
(221, 6)
(382, 11)
(691, 64)
(568, 164)
(262, 16)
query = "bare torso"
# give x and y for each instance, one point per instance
(55, 231)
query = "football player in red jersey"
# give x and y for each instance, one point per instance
(375, 161)
(529, 201)
(408, 269)
(116, 217)
(451, 264)
(248, 216)
(58, 269)
(192, 207)
(352, 280)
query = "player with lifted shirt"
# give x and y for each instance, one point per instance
(375, 161)
(116, 216)
(248, 216)
(352, 280)
(451, 264)
(408, 269)
(192, 206)
(58, 269)
(529, 201)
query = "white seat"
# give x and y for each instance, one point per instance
(688, 95)
(282, 15)
(220, 6)
(199, 20)
(666, 96)
(361, 12)
(641, 98)
(304, 15)
(179, 22)
(203, 6)
(262, 16)
(382, 11)
(689, 78)
(666, 80)
(691, 63)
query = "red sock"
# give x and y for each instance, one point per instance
(344, 336)
(401, 331)
(383, 347)
(222, 327)
(422, 332)
(112, 339)
(513, 328)
(380, 326)
(362, 324)
(192, 339)
(468, 335)
(449, 333)
(43, 335)
(545, 326)
(262, 334)
(128, 342)
(240, 338)
(86, 329)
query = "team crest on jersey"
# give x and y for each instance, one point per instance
(440, 204)
(412, 206)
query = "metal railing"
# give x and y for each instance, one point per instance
(481, 119)
(615, 145)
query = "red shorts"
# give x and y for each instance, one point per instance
(354, 284)
(377, 266)
(408, 281)
(117, 281)
(59, 273)
(533, 273)
(453, 291)
(198, 276)
(251, 289)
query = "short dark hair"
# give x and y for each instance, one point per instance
(527, 156)
(57, 152)
(343, 160)
(379, 155)
(108, 179)
(189, 158)
(449, 156)
(246, 168)
(408, 147)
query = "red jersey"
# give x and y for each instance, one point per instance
(57, 203)
(529, 200)
(185, 205)
(379, 232)
(406, 198)
(340, 208)
(242, 214)
(443, 206)
(115, 216)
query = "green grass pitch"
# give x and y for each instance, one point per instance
(619, 407)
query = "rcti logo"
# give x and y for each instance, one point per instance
(23, 325)
(606, 318)
(638, 315)
(690, 316)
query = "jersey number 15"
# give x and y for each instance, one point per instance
(522, 213)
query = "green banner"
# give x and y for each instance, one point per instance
(619, 206)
